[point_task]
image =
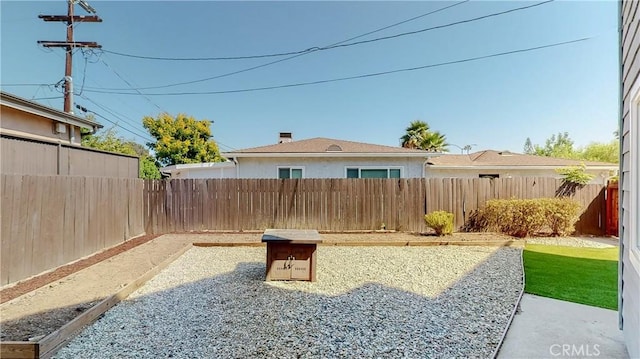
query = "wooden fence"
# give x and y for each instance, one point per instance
(611, 211)
(48, 158)
(342, 204)
(47, 221)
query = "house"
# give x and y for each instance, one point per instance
(629, 130)
(504, 164)
(311, 158)
(28, 119)
(225, 169)
(39, 140)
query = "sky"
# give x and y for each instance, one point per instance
(468, 78)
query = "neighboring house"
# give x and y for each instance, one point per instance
(28, 119)
(201, 170)
(39, 140)
(504, 164)
(312, 158)
(629, 130)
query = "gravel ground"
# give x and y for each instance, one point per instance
(593, 242)
(383, 302)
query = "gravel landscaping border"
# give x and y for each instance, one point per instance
(383, 302)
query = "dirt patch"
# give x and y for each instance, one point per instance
(43, 304)
(26, 286)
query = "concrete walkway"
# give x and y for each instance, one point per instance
(551, 328)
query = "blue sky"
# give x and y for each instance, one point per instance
(493, 103)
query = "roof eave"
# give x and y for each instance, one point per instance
(327, 154)
(198, 166)
(546, 167)
(37, 109)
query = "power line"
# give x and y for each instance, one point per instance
(311, 49)
(25, 85)
(337, 45)
(131, 86)
(357, 76)
(144, 137)
(138, 134)
(438, 27)
(291, 57)
(47, 98)
(116, 124)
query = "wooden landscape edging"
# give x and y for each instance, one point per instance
(49, 345)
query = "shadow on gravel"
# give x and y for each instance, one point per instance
(238, 315)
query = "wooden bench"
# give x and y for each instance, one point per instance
(291, 254)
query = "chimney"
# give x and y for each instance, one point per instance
(285, 137)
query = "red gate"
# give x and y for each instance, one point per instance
(611, 212)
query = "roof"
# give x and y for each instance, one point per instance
(21, 104)
(327, 147)
(490, 158)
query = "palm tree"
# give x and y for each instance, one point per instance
(415, 134)
(434, 142)
(419, 136)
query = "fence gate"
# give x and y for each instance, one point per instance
(611, 212)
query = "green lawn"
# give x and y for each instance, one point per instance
(581, 275)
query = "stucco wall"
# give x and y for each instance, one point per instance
(23, 124)
(324, 167)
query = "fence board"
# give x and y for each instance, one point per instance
(8, 224)
(48, 221)
(340, 204)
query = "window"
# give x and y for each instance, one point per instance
(490, 176)
(289, 172)
(354, 172)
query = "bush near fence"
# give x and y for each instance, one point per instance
(525, 217)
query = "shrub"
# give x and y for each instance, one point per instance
(562, 214)
(440, 221)
(576, 175)
(477, 222)
(524, 217)
(516, 217)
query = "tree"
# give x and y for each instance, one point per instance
(182, 139)
(528, 147)
(576, 175)
(418, 136)
(434, 142)
(561, 146)
(415, 133)
(109, 141)
(602, 152)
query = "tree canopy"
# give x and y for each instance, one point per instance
(419, 136)
(562, 146)
(181, 139)
(109, 141)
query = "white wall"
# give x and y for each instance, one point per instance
(202, 173)
(324, 167)
(506, 173)
(629, 266)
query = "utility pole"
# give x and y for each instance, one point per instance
(70, 44)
